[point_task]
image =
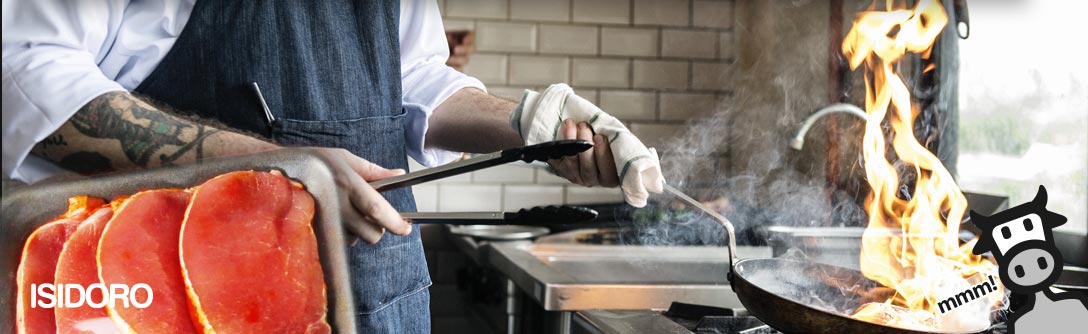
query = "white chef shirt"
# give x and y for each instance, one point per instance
(58, 55)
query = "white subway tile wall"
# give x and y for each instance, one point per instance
(630, 104)
(489, 68)
(469, 197)
(492, 9)
(503, 36)
(568, 39)
(689, 43)
(654, 64)
(538, 10)
(592, 72)
(683, 106)
(713, 14)
(663, 12)
(629, 41)
(668, 74)
(602, 11)
(538, 70)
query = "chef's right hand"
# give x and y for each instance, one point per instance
(363, 211)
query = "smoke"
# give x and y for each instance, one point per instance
(736, 157)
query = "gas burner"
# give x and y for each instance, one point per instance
(702, 319)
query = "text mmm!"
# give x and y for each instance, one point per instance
(65, 295)
(967, 296)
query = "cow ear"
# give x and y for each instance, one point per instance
(985, 241)
(979, 220)
(1053, 219)
(1040, 196)
(985, 244)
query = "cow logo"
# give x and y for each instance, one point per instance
(1022, 241)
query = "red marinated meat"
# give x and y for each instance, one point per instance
(249, 256)
(77, 266)
(140, 245)
(38, 264)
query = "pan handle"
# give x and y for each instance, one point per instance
(724, 222)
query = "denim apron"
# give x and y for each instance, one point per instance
(330, 74)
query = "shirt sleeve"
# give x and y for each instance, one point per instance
(50, 54)
(426, 81)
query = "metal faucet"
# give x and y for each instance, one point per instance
(799, 141)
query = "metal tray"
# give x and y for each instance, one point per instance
(499, 232)
(27, 207)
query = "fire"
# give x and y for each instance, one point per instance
(910, 245)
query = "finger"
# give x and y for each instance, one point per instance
(369, 171)
(361, 227)
(606, 163)
(375, 210)
(469, 42)
(587, 165)
(569, 166)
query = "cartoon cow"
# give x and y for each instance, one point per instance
(1021, 239)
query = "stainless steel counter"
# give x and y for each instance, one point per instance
(568, 277)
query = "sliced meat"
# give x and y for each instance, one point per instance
(38, 264)
(77, 266)
(249, 256)
(140, 245)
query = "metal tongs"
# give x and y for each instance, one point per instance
(539, 152)
(537, 216)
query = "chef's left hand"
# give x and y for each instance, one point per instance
(594, 167)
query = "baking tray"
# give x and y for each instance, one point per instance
(27, 207)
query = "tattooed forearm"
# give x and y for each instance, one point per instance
(141, 129)
(55, 140)
(118, 130)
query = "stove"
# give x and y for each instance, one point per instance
(682, 318)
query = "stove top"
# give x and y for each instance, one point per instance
(682, 318)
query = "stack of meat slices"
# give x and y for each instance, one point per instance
(236, 254)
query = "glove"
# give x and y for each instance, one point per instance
(539, 116)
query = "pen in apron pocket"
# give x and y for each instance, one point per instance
(264, 106)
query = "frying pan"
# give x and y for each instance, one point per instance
(792, 296)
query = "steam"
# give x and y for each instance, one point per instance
(746, 169)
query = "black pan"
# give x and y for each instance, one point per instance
(792, 296)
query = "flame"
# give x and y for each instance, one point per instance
(910, 245)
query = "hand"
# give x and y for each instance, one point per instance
(363, 211)
(461, 43)
(594, 167)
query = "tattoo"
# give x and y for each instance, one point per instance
(142, 130)
(54, 140)
(86, 162)
(198, 143)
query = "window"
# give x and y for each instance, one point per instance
(1024, 105)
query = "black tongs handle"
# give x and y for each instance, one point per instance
(538, 152)
(551, 215)
(546, 216)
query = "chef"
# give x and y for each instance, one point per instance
(103, 85)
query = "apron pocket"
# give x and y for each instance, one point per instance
(339, 133)
(385, 273)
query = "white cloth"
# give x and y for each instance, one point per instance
(60, 54)
(539, 118)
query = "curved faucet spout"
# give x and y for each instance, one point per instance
(798, 141)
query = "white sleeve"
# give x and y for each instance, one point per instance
(426, 81)
(50, 53)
